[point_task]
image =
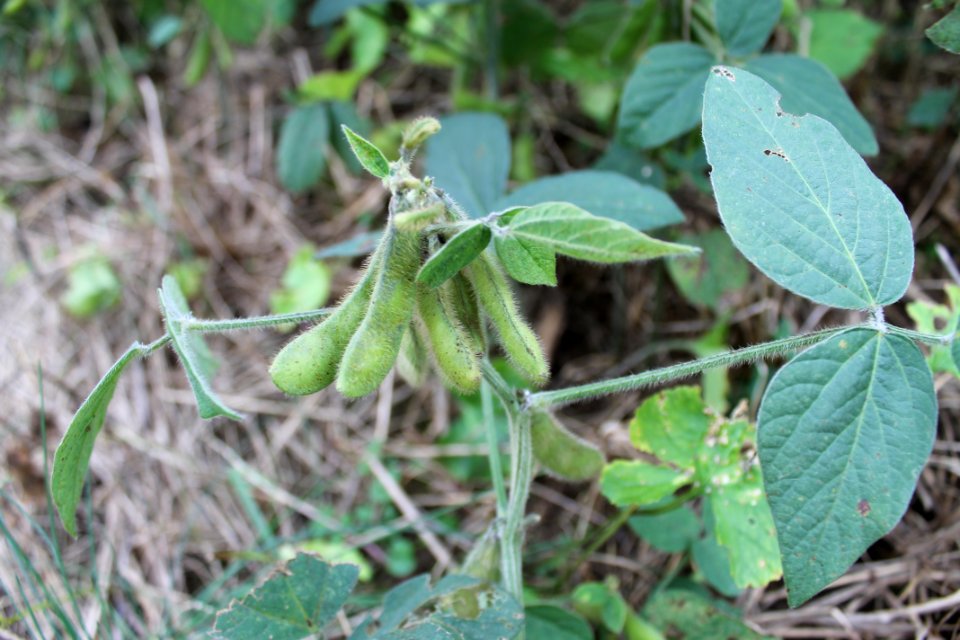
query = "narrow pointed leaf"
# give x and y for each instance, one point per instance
(296, 603)
(571, 231)
(454, 255)
(195, 357)
(72, 457)
(844, 430)
(602, 193)
(367, 153)
(744, 26)
(799, 202)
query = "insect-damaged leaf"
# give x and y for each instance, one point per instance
(72, 458)
(844, 431)
(198, 363)
(293, 604)
(799, 202)
(454, 255)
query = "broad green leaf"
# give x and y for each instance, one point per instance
(72, 458)
(744, 26)
(306, 284)
(673, 531)
(808, 87)
(842, 39)
(195, 357)
(369, 155)
(295, 603)
(92, 286)
(499, 617)
(602, 193)
(845, 429)
(164, 29)
(932, 108)
(470, 160)
(798, 202)
(743, 525)
(600, 603)
(545, 622)
(326, 12)
(301, 155)
(454, 255)
(663, 96)
(685, 614)
(635, 482)
(632, 163)
(571, 231)
(945, 33)
(526, 261)
(672, 426)
(707, 278)
(240, 20)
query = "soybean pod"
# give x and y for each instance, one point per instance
(309, 362)
(373, 349)
(561, 452)
(498, 302)
(455, 351)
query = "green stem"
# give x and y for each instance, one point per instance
(521, 477)
(683, 370)
(257, 322)
(926, 338)
(493, 446)
(144, 350)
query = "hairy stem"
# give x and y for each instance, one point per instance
(682, 370)
(521, 477)
(926, 338)
(256, 322)
(493, 446)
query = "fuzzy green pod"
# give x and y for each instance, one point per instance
(373, 349)
(413, 362)
(455, 351)
(309, 362)
(562, 453)
(467, 311)
(498, 302)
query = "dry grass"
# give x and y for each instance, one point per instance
(191, 173)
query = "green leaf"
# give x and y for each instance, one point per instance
(842, 39)
(295, 603)
(938, 318)
(330, 85)
(300, 154)
(687, 615)
(359, 245)
(600, 603)
(673, 531)
(306, 284)
(571, 231)
(932, 108)
(163, 30)
(470, 160)
(672, 426)
(705, 279)
(945, 33)
(632, 163)
(744, 26)
(743, 525)
(808, 87)
(845, 429)
(713, 563)
(635, 482)
(92, 286)
(367, 153)
(545, 622)
(195, 357)
(798, 202)
(663, 96)
(455, 254)
(341, 113)
(527, 262)
(501, 617)
(240, 20)
(72, 458)
(603, 193)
